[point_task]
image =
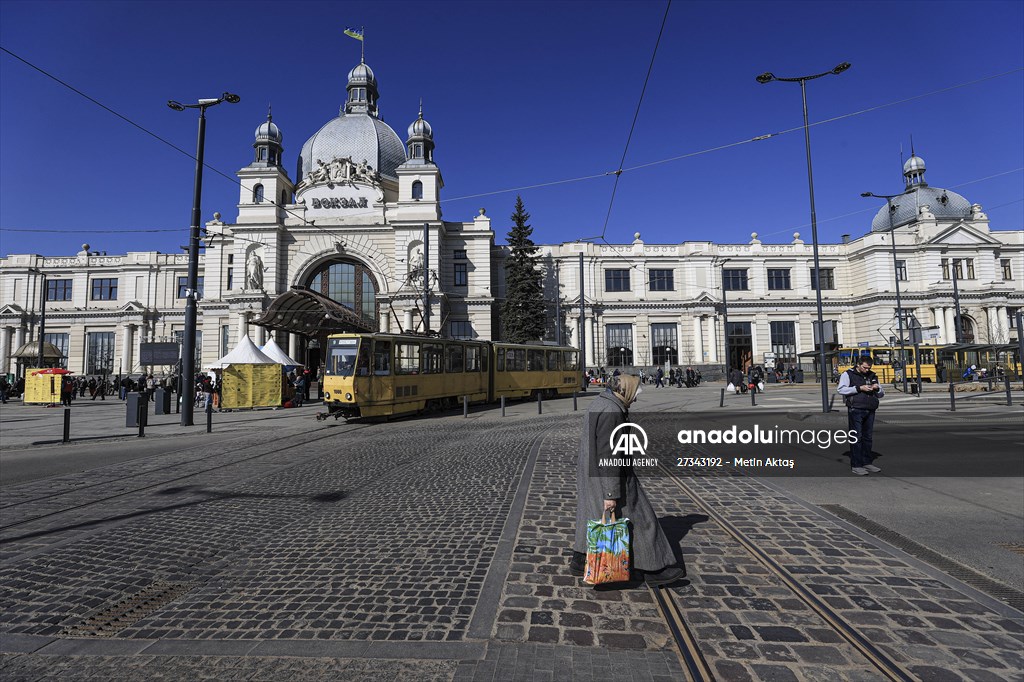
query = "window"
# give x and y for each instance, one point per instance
(663, 342)
(225, 335)
(1004, 263)
(473, 358)
(231, 279)
(734, 280)
(901, 270)
(104, 289)
(381, 358)
(783, 339)
(433, 358)
(1011, 313)
(351, 285)
(662, 280)
(569, 359)
(828, 279)
(958, 268)
(58, 289)
(183, 287)
(616, 280)
(60, 342)
(257, 191)
(512, 359)
(461, 274)
(535, 360)
(459, 254)
(970, 268)
(454, 358)
(945, 268)
(554, 360)
(231, 258)
(407, 358)
(619, 342)
(417, 186)
(99, 353)
(460, 329)
(778, 279)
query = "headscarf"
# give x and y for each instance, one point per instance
(627, 389)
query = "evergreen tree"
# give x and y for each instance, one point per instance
(524, 311)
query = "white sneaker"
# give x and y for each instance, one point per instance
(872, 468)
(860, 471)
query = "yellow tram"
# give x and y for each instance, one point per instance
(938, 363)
(385, 375)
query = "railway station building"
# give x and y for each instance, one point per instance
(355, 236)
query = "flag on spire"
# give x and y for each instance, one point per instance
(354, 33)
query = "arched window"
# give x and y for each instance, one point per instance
(257, 194)
(417, 190)
(350, 284)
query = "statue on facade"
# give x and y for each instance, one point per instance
(254, 271)
(415, 266)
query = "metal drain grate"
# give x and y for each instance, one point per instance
(130, 610)
(1014, 547)
(978, 581)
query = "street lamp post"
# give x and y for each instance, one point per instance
(42, 315)
(188, 345)
(957, 321)
(725, 318)
(896, 275)
(768, 77)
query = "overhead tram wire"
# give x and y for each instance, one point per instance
(617, 172)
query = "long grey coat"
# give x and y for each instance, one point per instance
(651, 549)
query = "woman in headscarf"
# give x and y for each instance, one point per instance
(608, 488)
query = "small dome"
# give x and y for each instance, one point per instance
(915, 164)
(361, 74)
(944, 204)
(268, 131)
(420, 128)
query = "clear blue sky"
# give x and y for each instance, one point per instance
(518, 93)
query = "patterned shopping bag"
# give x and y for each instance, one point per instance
(607, 551)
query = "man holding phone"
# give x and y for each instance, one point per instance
(860, 389)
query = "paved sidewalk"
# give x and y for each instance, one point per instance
(434, 549)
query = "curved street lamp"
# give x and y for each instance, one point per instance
(896, 274)
(188, 342)
(768, 77)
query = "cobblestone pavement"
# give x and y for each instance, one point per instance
(436, 549)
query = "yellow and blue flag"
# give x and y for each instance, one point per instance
(354, 33)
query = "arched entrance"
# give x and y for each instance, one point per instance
(349, 283)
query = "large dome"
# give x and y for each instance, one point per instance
(358, 137)
(942, 203)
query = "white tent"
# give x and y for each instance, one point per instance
(274, 352)
(245, 353)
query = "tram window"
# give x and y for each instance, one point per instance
(570, 359)
(381, 358)
(499, 364)
(927, 356)
(485, 359)
(472, 358)
(363, 359)
(342, 358)
(554, 361)
(845, 357)
(518, 360)
(883, 357)
(407, 358)
(453, 357)
(535, 360)
(433, 358)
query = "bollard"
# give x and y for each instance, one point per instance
(209, 417)
(141, 419)
(540, 409)
(721, 401)
(67, 425)
(952, 398)
(502, 406)
(1009, 400)
(465, 406)
(753, 393)
(574, 406)
(920, 387)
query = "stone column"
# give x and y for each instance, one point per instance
(698, 340)
(1002, 325)
(679, 344)
(591, 336)
(384, 324)
(243, 324)
(5, 349)
(258, 333)
(950, 316)
(127, 346)
(713, 339)
(408, 320)
(293, 345)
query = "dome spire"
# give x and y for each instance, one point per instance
(420, 144)
(362, 91)
(913, 169)
(268, 143)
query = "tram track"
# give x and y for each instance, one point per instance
(694, 664)
(266, 447)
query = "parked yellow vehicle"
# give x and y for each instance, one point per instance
(938, 363)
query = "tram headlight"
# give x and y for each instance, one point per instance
(348, 396)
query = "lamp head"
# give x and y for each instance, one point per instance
(209, 101)
(866, 194)
(767, 77)
(842, 67)
(232, 98)
(175, 105)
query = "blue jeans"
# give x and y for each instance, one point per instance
(862, 423)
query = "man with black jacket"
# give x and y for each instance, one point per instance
(860, 389)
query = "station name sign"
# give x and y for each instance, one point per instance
(343, 202)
